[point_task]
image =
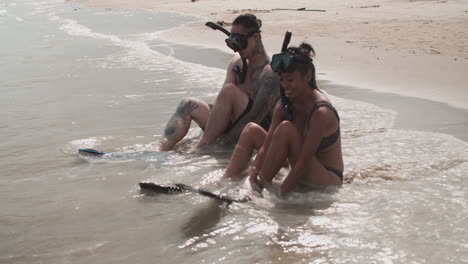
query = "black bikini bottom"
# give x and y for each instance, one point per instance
(336, 172)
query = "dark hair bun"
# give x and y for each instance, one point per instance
(259, 23)
(307, 49)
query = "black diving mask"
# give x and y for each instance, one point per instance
(285, 61)
(238, 42)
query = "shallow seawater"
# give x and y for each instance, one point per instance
(74, 77)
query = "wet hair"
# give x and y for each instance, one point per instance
(302, 61)
(249, 22)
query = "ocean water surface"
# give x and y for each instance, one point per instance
(74, 77)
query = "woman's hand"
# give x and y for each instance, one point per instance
(288, 184)
(255, 182)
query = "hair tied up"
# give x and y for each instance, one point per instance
(307, 49)
(259, 23)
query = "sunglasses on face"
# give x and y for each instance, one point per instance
(238, 42)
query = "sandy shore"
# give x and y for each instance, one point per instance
(413, 48)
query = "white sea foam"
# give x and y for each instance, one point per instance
(138, 54)
(92, 142)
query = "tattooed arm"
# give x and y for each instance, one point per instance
(263, 104)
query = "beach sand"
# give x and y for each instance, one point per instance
(412, 48)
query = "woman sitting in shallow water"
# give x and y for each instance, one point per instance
(305, 132)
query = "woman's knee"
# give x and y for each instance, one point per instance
(285, 128)
(251, 132)
(252, 129)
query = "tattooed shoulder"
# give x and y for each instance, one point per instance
(269, 81)
(257, 75)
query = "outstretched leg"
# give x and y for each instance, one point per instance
(252, 137)
(229, 105)
(179, 124)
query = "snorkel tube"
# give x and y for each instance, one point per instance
(287, 103)
(287, 39)
(240, 73)
(217, 27)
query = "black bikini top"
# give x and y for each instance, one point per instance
(331, 139)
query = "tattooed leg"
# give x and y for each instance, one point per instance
(179, 124)
(229, 105)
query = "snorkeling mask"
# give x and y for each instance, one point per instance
(238, 42)
(235, 41)
(281, 62)
(285, 61)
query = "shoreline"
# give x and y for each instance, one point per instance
(375, 69)
(412, 48)
(414, 112)
(394, 57)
